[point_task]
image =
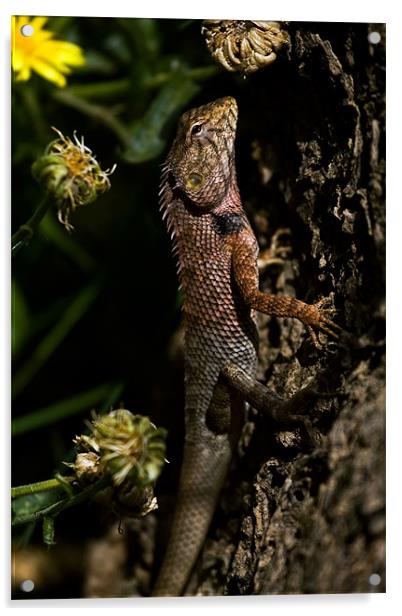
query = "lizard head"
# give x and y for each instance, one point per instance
(201, 159)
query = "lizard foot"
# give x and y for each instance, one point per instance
(318, 320)
(286, 413)
(292, 412)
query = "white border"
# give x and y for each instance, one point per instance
(306, 10)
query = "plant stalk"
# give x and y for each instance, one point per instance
(23, 236)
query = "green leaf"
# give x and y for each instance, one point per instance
(32, 503)
(146, 141)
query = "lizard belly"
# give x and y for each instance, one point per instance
(219, 328)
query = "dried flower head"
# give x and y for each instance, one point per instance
(70, 172)
(86, 467)
(130, 448)
(241, 45)
(135, 502)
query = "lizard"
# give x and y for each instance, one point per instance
(216, 252)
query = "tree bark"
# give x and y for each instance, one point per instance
(294, 519)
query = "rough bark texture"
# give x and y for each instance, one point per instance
(293, 520)
(310, 158)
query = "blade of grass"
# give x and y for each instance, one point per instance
(65, 408)
(39, 322)
(112, 398)
(55, 336)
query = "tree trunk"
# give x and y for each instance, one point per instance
(294, 519)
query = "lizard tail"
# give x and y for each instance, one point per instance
(205, 466)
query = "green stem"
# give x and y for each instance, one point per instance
(117, 87)
(40, 486)
(66, 503)
(196, 74)
(23, 236)
(101, 114)
(101, 89)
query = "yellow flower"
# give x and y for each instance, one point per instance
(41, 53)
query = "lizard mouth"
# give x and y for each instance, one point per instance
(228, 102)
(230, 110)
(226, 111)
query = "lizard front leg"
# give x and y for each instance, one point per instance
(315, 317)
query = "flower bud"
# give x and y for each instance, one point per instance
(130, 448)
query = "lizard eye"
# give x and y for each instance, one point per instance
(196, 129)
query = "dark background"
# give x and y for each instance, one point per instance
(116, 266)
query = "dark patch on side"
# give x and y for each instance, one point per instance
(225, 224)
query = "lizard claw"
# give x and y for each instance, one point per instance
(318, 319)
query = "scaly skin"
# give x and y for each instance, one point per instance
(217, 265)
